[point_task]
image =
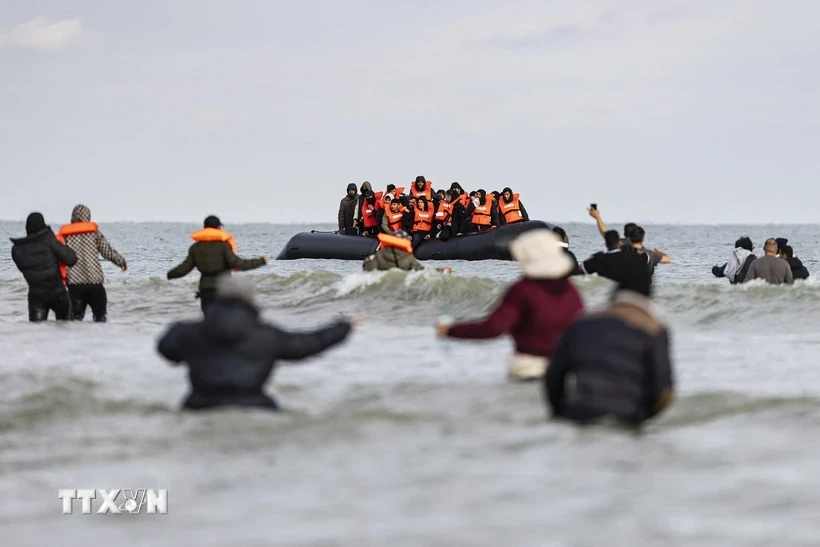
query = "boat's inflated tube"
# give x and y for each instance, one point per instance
(490, 245)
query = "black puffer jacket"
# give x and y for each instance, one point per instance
(38, 256)
(231, 353)
(799, 271)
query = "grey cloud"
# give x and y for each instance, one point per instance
(42, 34)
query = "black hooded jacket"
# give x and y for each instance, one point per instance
(231, 353)
(799, 271)
(524, 213)
(38, 256)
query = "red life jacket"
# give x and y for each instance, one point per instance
(368, 215)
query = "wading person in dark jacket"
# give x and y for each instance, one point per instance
(85, 278)
(213, 253)
(799, 271)
(615, 363)
(42, 258)
(232, 353)
(347, 212)
(535, 311)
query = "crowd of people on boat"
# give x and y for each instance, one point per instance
(426, 213)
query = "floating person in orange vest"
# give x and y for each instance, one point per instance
(422, 220)
(395, 216)
(395, 251)
(85, 278)
(481, 213)
(42, 259)
(510, 208)
(213, 253)
(422, 187)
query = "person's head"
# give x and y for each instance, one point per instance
(236, 287)
(370, 197)
(628, 227)
(402, 234)
(81, 213)
(421, 182)
(391, 188)
(394, 205)
(781, 242)
(560, 232)
(612, 240)
(744, 243)
(507, 194)
(451, 195)
(770, 247)
(786, 252)
(494, 194)
(637, 236)
(541, 255)
(212, 221)
(482, 196)
(441, 194)
(365, 188)
(351, 189)
(457, 186)
(421, 203)
(34, 223)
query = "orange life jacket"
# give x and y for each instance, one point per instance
(427, 192)
(214, 234)
(464, 199)
(444, 212)
(398, 191)
(386, 241)
(512, 210)
(423, 220)
(73, 229)
(368, 215)
(394, 220)
(481, 214)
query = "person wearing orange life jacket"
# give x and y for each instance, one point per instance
(41, 257)
(443, 223)
(481, 214)
(369, 208)
(213, 253)
(511, 208)
(395, 216)
(85, 279)
(423, 217)
(395, 252)
(422, 187)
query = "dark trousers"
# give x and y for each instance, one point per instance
(39, 304)
(206, 297)
(83, 296)
(418, 237)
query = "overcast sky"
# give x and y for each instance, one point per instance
(703, 111)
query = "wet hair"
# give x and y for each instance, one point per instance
(628, 227)
(787, 251)
(744, 242)
(561, 233)
(612, 239)
(637, 234)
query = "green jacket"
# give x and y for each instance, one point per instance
(212, 258)
(392, 258)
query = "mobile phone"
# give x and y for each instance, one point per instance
(594, 206)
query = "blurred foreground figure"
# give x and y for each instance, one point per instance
(536, 310)
(231, 353)
(614, 363)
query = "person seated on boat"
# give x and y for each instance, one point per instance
(481, 213)
(422, 220)
(443, 218)
(365, 189)
(231, 354)
(422, 187)
(368, 223)
(511, 208)
(458, 212)
(395, 217)
(395, 251)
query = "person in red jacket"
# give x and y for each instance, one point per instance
(535, 310)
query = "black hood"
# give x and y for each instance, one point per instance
(35, 223)
(456, 186)
(43, 232)
(507, 189)
(230, 320)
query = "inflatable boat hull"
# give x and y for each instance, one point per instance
(490, 245)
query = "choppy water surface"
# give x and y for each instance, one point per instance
(396, 439)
